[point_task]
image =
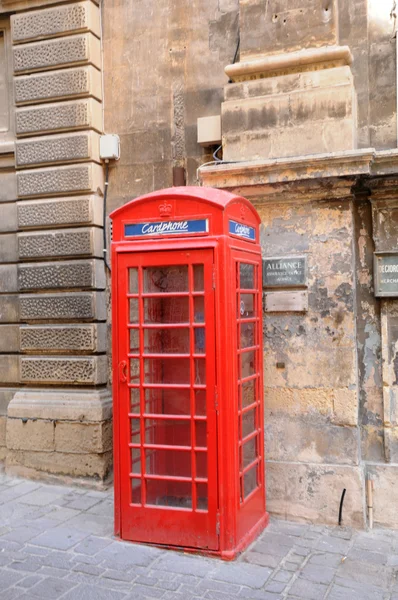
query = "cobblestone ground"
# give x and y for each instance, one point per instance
(56, 542)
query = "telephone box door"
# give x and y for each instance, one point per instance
(166, 358)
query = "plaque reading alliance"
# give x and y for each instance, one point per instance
(386, 275)
(285, 272)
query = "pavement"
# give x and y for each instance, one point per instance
(56, 542)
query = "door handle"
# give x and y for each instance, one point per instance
(123, 371)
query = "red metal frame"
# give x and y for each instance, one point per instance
(166, 504)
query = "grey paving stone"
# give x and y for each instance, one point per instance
(52, 572)
(9, 578)
(59, 538)
(179, 563)
(122, 555)
(105, 508)
(82, 503)
(14, 594)
(40, 497)
(93, 592)
(370, 540)
(366, 573)
(318, 573)
(342, 592)
(92, 544)
(29, 581)
(250, 594)
(35, 550)
(333, 544)
(119, 575)
(18, 491)
(283, 576)
(327, 559)
(59, 560)
(92, 524)
(276, 587)
(277, 551)
(264, 560)
(308, 589)
(30, 565)
(146, 592)
(242, 574)
(221, 586)
(21, 534)
(376, 558)
(61, 513)
(90, 569)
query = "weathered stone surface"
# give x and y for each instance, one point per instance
(9, 338)
(70, 18)
(60, 180)
(87, 306)
(8, 187)
(384, 503)
(9, 368)
(3, 423)
(83, 81)
(68, 147)
(8, 279)
(30, 463)
(71, 274)
(62, 338)
(6, 396)
(89, 370)
(71, 50)
(61, 405)
(63, 211)
(82, 438)
(9, 220)
(312, 492)
(9, 308)
(8, 247)
(25, 434)
(60, 243)
(77, 114)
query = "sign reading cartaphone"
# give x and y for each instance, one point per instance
(166, 228)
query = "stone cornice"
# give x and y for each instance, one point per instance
(315, 176)
(270, 66)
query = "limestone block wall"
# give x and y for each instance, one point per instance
(53, 278)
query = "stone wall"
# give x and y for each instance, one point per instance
(53, 278)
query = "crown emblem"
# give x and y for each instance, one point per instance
(165, 209)
(243, 212)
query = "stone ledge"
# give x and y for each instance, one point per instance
(64, 274)
(8, 187)
(8, 246)
(55, 149)
(9, 217)
(51, 22)
(29, 463)
(62, 405)
(42, 214)
(53, 54)
(57, 181)
(61, 116)
(306, 59)
(9, 308)
(60, 339)
(84, 306)
(58, 85)
(8, 279)
(9, 368)
(60, 243)
(64, 370)
(9, 338)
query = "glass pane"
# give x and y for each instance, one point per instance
(249, 452)
(134, 341)
(166, 310)
(136, 491)
(250, 481)
(168, 402)
(175, 463)
(246, 308)
(247, 335)
(248, 423)
(133, 310)
(135, 431)
(135, 400)
(133, 281)
(168, 432)
(201, 465)
(177, 494)
(248, 366)
(199, 309)
(134, 370)
(201, 496)
(200, 340)
(167, 370)
(166, 341)
(200, 402)
(201, 434)
(198, 278)
(247, 276)
(200, 371)
(248, 393)
(135, 460)
(166, 280)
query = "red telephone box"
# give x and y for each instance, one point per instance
(187, 371)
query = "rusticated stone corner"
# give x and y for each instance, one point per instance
(69, 83)
(64, 148)
(52, 54)
(82, 370)
(63, 338)
(40, 24)
(58, 275)
(77, 114)
(84, 306)
(60, 243)
(60, 180)
(62, 211)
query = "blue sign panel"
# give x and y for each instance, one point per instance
(249, 233)
(166, 228)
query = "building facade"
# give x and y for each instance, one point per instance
(307, 93)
